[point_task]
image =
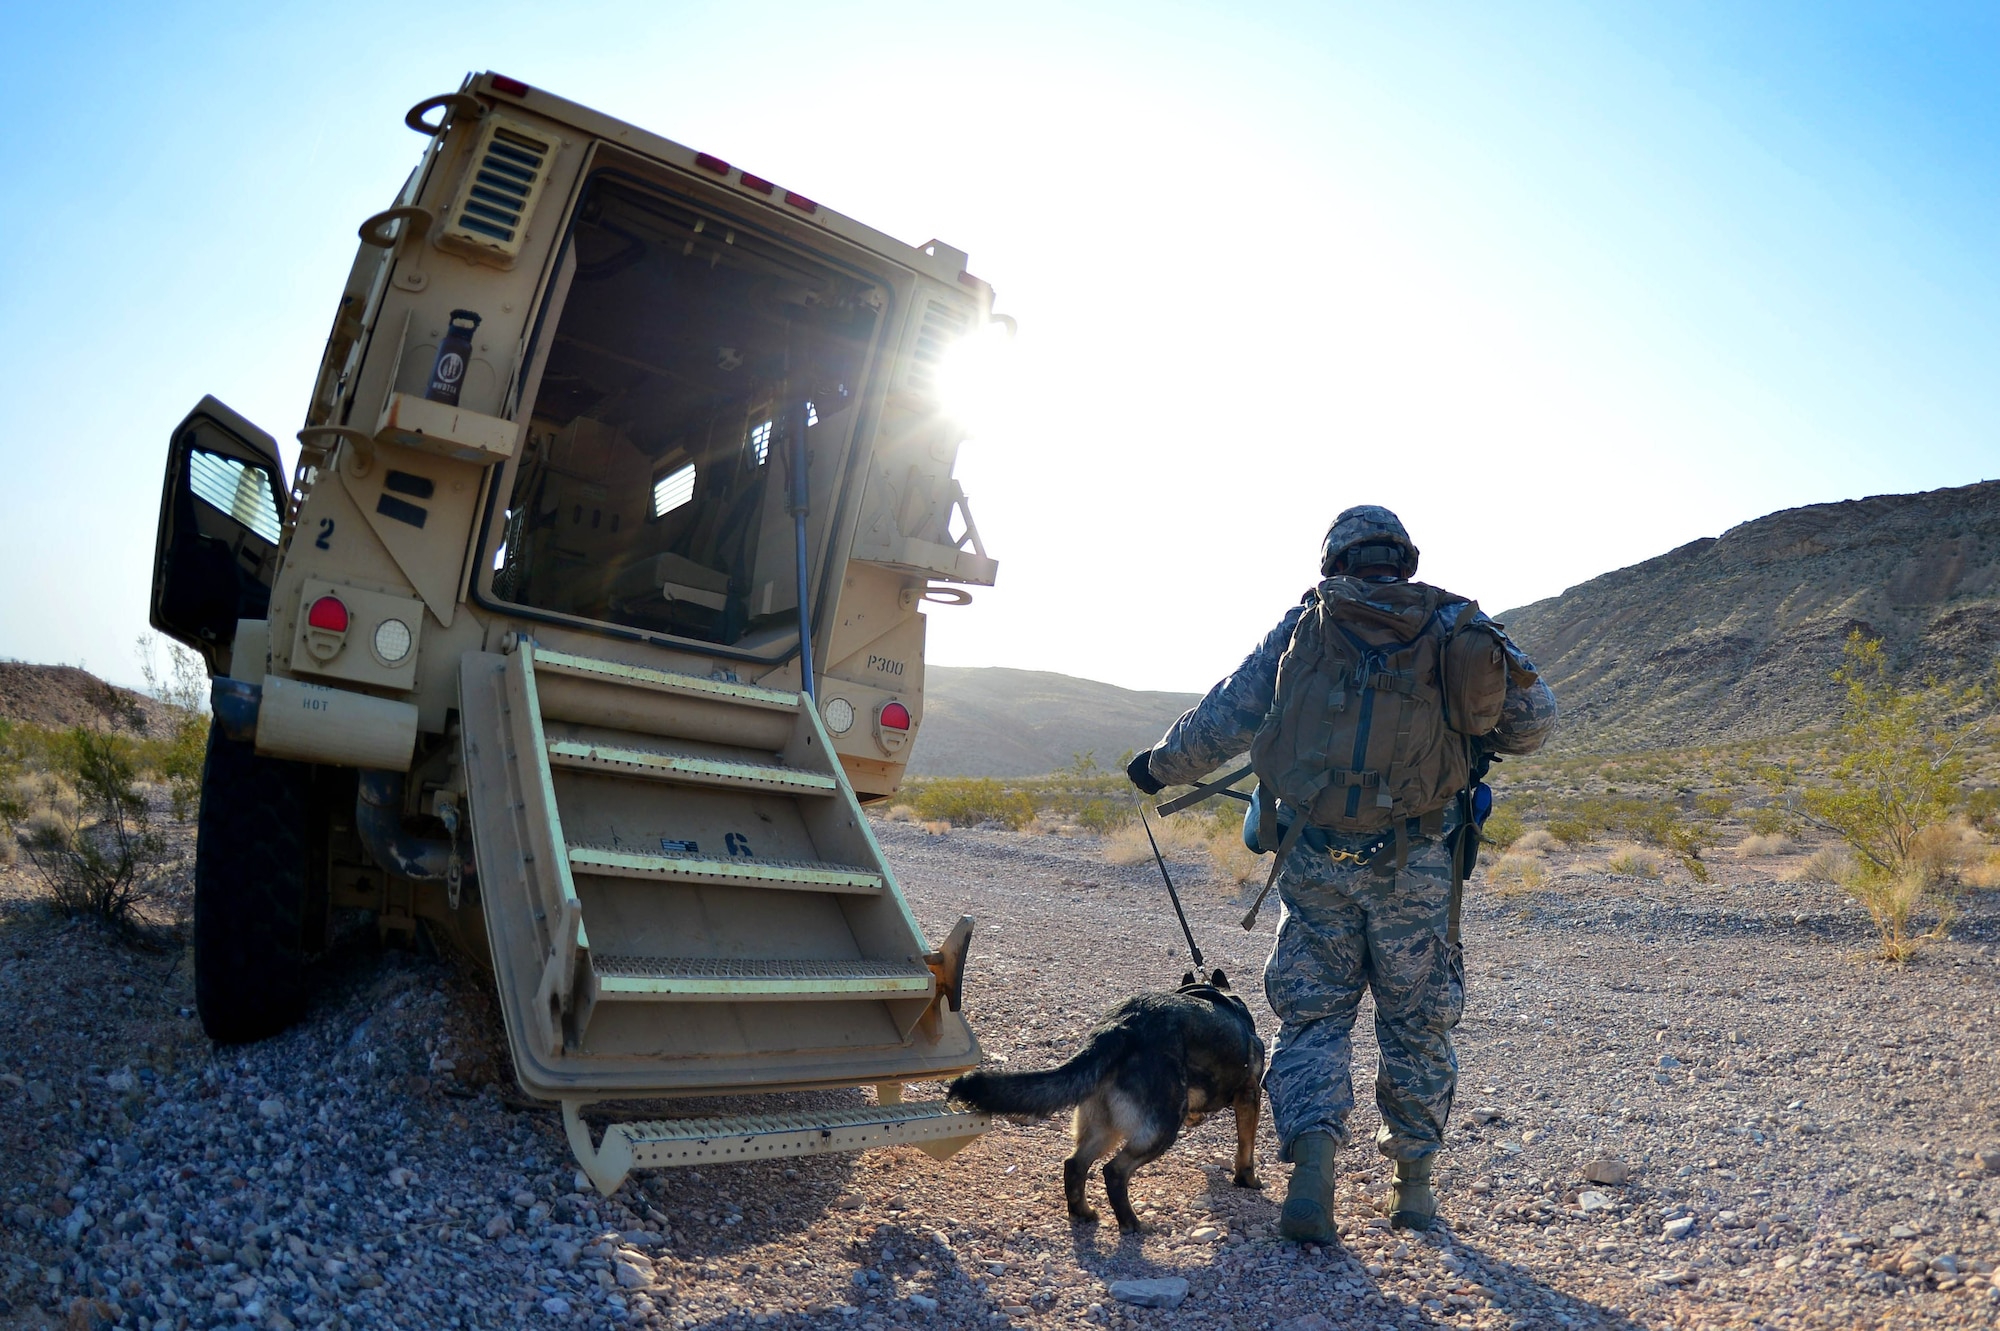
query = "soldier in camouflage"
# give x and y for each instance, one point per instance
(1346, 927)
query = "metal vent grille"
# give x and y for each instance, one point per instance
(941, 326)
(494, 205)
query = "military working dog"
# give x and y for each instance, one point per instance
(1155, 1064)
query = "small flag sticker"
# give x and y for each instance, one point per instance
(671, 847)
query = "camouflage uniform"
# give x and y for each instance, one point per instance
(1346, 928)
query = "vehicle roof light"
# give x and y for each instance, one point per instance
(801, 202)
(512, 87)
(758, 183)
(329, 613)
(710, 162)
(895, 716)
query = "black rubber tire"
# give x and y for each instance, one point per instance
(250, 887)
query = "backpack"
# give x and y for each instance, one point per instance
(1377, 702)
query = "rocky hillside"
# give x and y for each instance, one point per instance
(64, 696)
(997, 722)
(1738, 636)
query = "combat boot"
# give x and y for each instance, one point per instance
(1412, 1204)
(1308, 1213)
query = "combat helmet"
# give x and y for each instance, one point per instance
(1367, 534)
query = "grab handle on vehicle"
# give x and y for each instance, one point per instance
(375, 231)
(947, 595)
(455, 104)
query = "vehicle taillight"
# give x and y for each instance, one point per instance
(710, 162)
(801, 202)
(330, 613)
(512, 87)
(758, 183)
(895, 716)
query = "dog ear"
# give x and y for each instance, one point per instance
(1187, 979)
(1218, 979)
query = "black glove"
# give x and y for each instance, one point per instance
(1141, 773)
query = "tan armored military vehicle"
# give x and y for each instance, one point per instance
(586, 623)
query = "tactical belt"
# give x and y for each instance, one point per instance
(1427, 827)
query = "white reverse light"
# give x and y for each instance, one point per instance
(392, 641)
(838, 715)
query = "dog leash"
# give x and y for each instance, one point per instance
(1161, 860)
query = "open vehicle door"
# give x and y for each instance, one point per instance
(221, 514)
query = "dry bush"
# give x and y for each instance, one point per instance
(1512, 874)
(1181, 838)
(178, 755)
(1985, 873)
(1760, 847)
(1574, 833)
(901, 813)
(1536, 841)
(936, 826)
(970, 801)
(1942, 855)
(106, 858)
(1235, 862)
(1502, 829)
(1894, 903)
(1634, 861)
(1825, 865)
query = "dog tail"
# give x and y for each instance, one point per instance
(1042, 1093)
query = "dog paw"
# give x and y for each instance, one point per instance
(1087, 1216)
(1134, 1228)
(1247, 1178)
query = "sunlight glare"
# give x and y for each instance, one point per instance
(976, 378)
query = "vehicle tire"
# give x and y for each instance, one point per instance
(250, 888)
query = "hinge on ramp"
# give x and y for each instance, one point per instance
(931, 1126)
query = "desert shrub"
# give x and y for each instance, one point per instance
(177, 756)
(1502, 829)
(970, 801)
(1713, 805)
(1178, 837)
(1982, 808)
(1893, 774)
(1103, 815)
(1825, 865)
(1573, 832)
(1515, 873)
(1768, 820)
(1756, 847)
(1636, 861)
(104, 859)
(901, 813)
(1537, 841)
(1941, 855)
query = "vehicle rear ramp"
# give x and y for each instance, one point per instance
(683, 897)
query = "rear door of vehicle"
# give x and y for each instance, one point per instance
(222, 510)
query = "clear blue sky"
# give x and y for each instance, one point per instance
(1565, 284)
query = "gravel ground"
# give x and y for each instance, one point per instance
(1803, 1132)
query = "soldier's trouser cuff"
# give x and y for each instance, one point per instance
(1332, 1127)
(1401, 1148)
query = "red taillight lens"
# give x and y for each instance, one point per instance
(512, 87)
(758, 183)
(330, 613)
(709, 162)
(895, 716)
(801, 202)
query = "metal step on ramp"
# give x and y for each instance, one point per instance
(684, 898)
(751, 981)
(937, 1129)
(687, 769)
(776, 875)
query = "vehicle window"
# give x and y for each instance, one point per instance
(237, 488)
(651, 487)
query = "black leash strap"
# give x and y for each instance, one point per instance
(1219, 786)
(1174, 896)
